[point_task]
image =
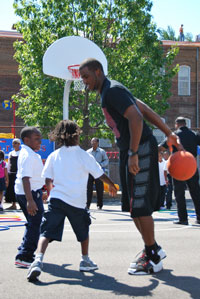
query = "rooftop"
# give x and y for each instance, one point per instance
(10, 34)
(179, 44)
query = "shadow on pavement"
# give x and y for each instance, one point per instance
(187, 284)
(95, 280)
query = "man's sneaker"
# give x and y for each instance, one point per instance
(87, 266)
(1, 208)
(23, 261)
(34, 271)
(142, 257)
(146, 267)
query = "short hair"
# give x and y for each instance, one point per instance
(180, 120)
(96, 139)
(92, 64)
(16, 140)
(2, 155)
(66, 133)
(28, 131)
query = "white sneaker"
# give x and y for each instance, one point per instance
(146, 267)
(34, 270)
(86, 266)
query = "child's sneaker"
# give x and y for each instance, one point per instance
(146, 267)
(35, 270)
(88, 265)
(23, 261)
(142, 257)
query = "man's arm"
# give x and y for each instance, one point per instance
(105, 160)
(135, 120)
(154, 118)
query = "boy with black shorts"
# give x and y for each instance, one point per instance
(66, 172)
(138, 148)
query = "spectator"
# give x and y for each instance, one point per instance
(100, 156)
(169, 189)
(12, 172)
(4, 180)
(182, 37)
(163, 178)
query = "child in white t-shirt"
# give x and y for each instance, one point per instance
(163, 178)
(66, 172)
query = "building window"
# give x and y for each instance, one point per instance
(184, 81)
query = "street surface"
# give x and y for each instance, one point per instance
(114, 242)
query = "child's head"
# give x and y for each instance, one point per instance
(166, 155)
(31, 137)
(16, 144)
(66, 133)
(2, 155)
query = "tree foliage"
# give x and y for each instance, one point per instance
(122, 29)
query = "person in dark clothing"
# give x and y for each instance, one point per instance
(124, 115)
(12, 172)
(169, 190)
(189, 140)
(101, 157)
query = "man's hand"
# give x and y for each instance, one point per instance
(133, 164)
(173, 139)
(32, 207)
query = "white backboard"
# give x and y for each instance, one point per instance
(71, 50)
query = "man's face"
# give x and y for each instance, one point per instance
(90, 78)
(34, 141)
(94, 144)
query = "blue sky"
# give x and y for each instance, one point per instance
(165, 12)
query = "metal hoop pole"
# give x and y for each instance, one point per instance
(66, 99)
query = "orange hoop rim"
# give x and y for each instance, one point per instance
(73, 69)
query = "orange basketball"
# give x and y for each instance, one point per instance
(182, 165)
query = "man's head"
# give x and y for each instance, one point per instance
(180, 122)
(91, 71)
(31, 137)
(95, 143)
(16, 144)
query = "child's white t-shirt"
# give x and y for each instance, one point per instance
(69, 168)
(162, 167)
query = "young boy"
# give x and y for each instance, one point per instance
(162, 165)
(66, 171)
(28, 186)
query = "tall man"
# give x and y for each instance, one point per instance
(124, 114)
(100, 156)
(189, 140)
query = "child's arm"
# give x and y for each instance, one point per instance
(165, 174)
(6, 177)
(31, 205)
(107, 180)
(49, 184)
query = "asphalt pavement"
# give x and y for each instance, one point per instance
(114, 242)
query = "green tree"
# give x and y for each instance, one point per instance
(122, 29)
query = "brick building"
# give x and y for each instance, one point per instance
(185, 89)
(9, 80)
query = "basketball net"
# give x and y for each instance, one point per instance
(78, 82)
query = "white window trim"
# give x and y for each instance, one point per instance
(180, 93)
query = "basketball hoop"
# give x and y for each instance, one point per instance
(74, 70)
(78, 83)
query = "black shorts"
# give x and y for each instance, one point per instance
(2, 184)
(144, 188)
(53, 220)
